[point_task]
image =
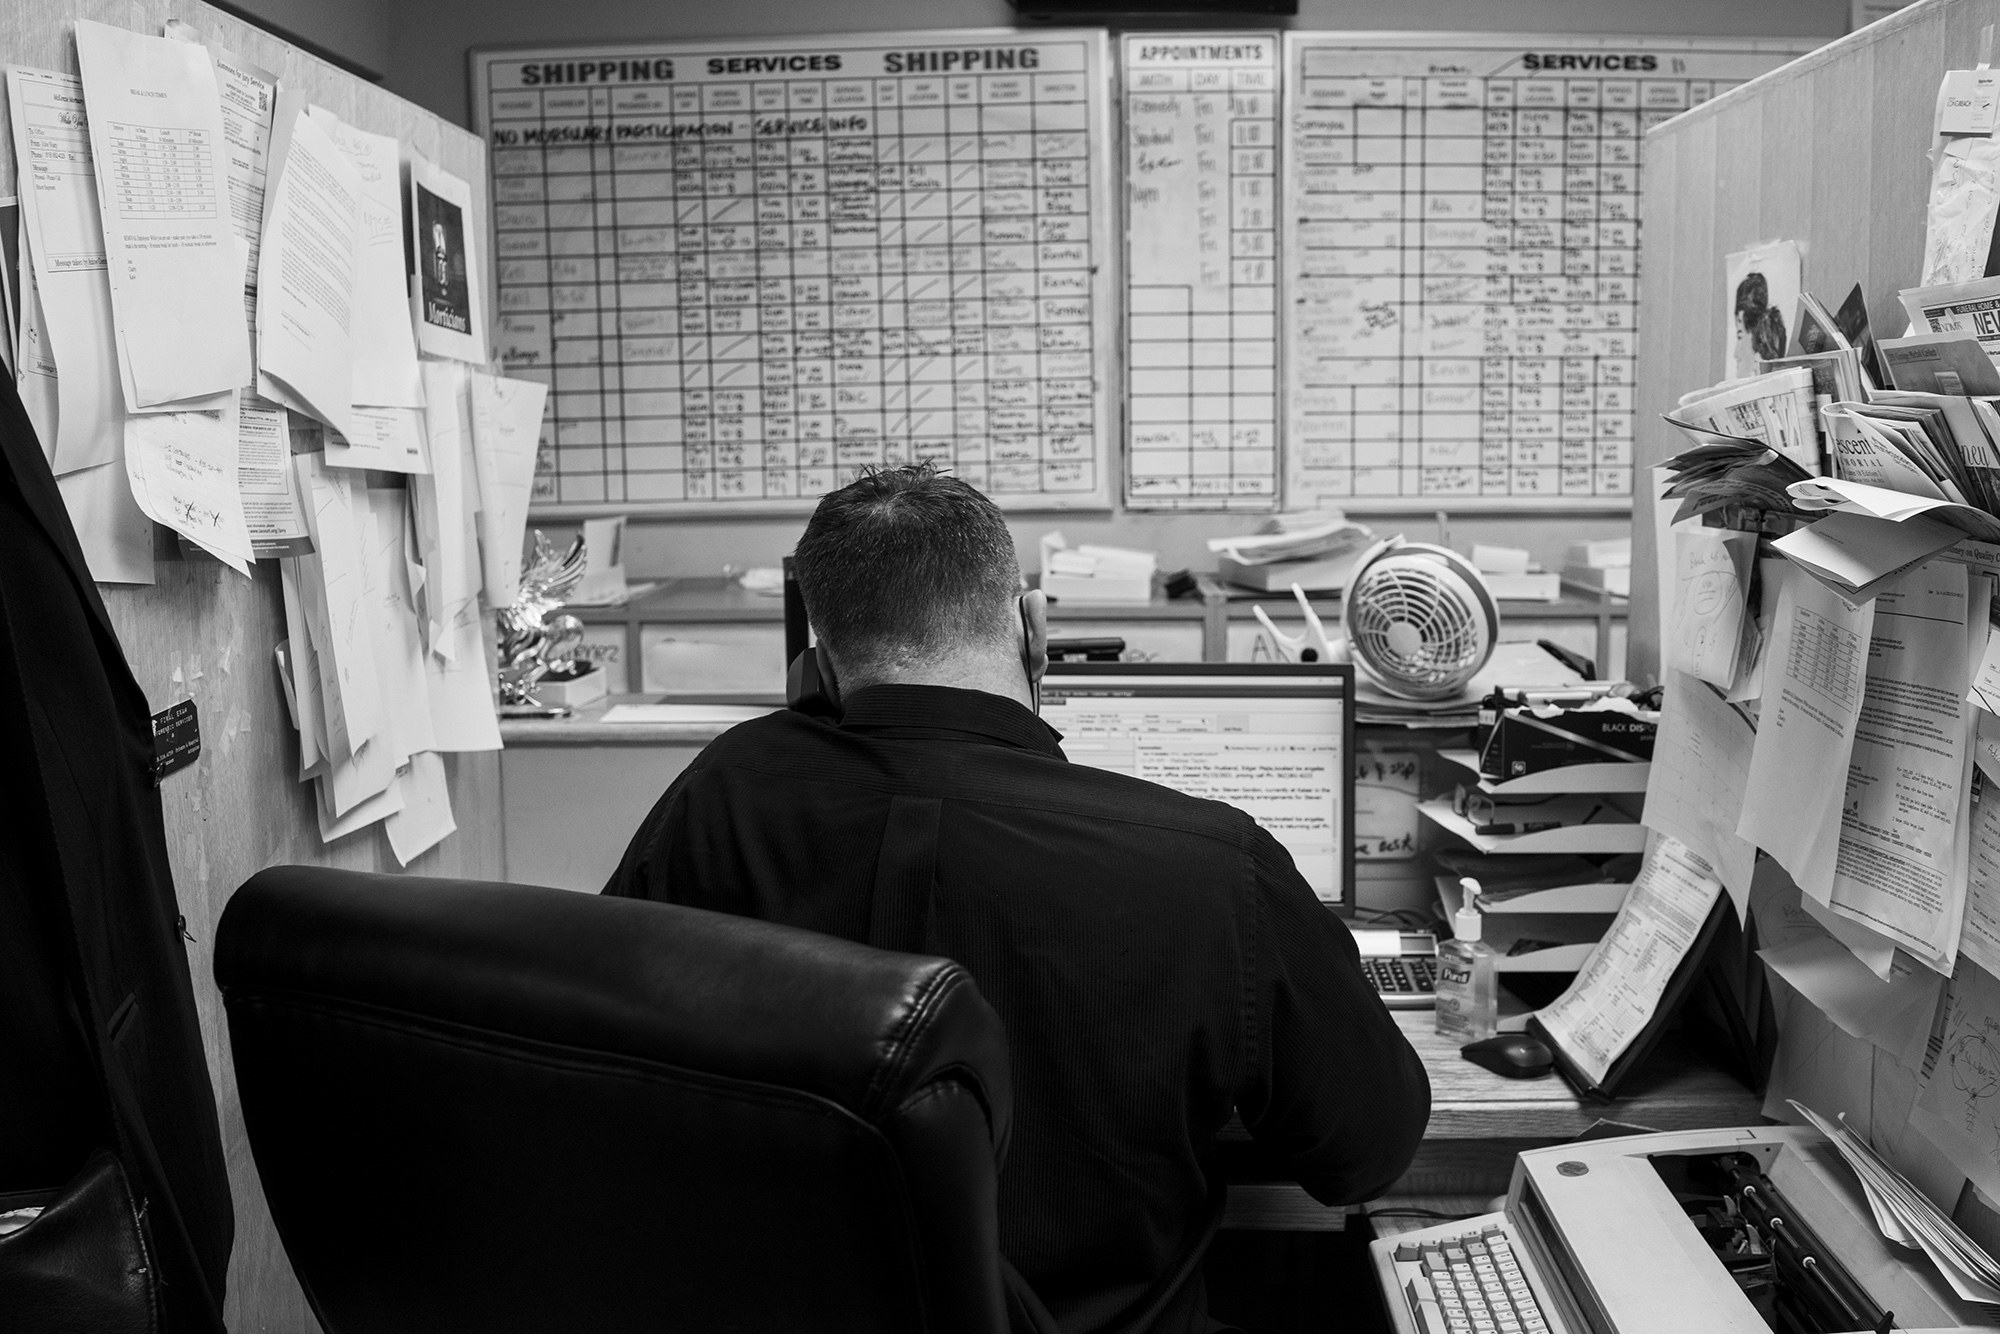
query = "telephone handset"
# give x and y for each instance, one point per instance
(810, 686)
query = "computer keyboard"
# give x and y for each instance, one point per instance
(1468, 1284)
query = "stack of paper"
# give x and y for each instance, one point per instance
(1907, 1218)
(1511, 575)
(1877, 502)
(1286, 537)
(1603, 566)
(1777, 408)
(1095, 573)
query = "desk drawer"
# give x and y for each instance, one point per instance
(716, 657)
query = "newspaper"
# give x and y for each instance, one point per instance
(1777, 408)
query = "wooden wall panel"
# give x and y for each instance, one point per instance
(205, 632)
(1829, 151)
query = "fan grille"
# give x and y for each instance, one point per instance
(1415, 627)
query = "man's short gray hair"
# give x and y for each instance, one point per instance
(903, 565)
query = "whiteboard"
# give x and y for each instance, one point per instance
(747, 269)
(1200, 160)
(1461, 258)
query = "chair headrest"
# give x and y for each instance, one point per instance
(732, 996)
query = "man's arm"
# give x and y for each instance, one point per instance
(1336, 1093)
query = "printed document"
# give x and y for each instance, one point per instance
(176, 269)
(1701, 769)
(1619, 987)
(385, 346)
(249, 97)
(1898, 869)
(66, 243)
(386, 439)
(182, 466)
(305, 281)
(1814, 667)
(1981, 941)
(264, 475)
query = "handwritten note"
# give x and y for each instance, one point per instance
(183, 472)
(1711, 581)
(1385, 805)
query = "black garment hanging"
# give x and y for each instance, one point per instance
(99, 1042)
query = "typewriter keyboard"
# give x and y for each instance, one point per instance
(1469, 1284)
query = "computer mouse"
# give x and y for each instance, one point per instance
(1515, 1055)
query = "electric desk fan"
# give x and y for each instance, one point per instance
(1419, 619)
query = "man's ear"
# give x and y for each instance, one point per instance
(1035, 633)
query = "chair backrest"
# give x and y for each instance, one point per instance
(500, 1107)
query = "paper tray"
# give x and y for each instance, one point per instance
(1581, 779)
(1588, 839)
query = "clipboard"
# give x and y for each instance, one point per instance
(1699, 977)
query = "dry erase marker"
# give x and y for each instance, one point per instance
(1523, 827)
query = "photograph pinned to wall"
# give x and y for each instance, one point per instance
(1761, 288)
(444, 286)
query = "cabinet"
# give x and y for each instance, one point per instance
(707, 635)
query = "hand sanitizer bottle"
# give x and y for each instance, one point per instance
(1468, 1001)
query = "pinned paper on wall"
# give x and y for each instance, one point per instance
(506, 424)
(385, 348)
(175, 266)
(115, 534)
(1958, 1109)
(1761, 289)
(66, 248)
(1813, 674)
(182, 467)
(1711, 583)
(1900, 868)
(446, 300)
(305, 287)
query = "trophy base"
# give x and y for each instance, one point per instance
(574, 692)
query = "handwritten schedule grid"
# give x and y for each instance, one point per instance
(1201, 192)
(745, 280)
(1463, 259)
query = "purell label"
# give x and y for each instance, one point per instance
(1450, 974)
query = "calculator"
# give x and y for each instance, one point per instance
(1402, 965)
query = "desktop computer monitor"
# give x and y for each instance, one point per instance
(1274, 740)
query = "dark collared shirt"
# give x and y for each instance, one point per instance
(1157, 961)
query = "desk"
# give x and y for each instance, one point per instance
(574, 789)
(1479, 1121)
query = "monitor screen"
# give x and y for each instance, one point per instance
(1272, 740)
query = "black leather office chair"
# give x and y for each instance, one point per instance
(488, 1107)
